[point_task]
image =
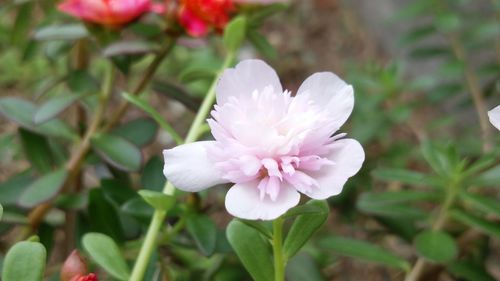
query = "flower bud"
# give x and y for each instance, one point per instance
(74, 266)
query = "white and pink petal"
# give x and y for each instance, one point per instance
(189, 168)
(244, 201)
(248, 76)
(347, 156)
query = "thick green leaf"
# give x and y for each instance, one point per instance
(480, 224)
(11, 189)
(21, 112)
(117, 151)
(53, 107)
(43, 189)
(364, 251)
(253, 251)
(140, 131)
(157, 200)
(152, 175)
(403, 176)
(136, 207)
(117, 191)
(304, 226)
(469, 271)
(203, 231)
(106, 254)
(393, 204)
(234, 33)
(146, 107)
(303, 209)
(486, 204)
(61, 32)
(24, 261)
(37, 150)
(436, 246)
(104, 216)
(303, 267)
(263, 227)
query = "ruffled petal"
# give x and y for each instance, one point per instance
(329, 91)
(243, 201)
(347, 156)
(494, 116)
(188, 167)
(246, 77)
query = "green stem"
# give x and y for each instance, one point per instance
(279, 261)
(415, 273)
(158, 217)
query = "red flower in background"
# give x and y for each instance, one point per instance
(109, 12)
(199, 16)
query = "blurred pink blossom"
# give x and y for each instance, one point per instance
(494, 116)
(270, 144)
(109, 12)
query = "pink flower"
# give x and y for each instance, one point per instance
(494, 116)
(109, 12)
(269, 144)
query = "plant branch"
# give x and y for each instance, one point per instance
(74, 163)
(148, 75)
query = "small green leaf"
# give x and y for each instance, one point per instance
(393, 204)
(253, 251)
(1, 212)
(24, 261)
(257, 18)
(436, 246)
(137, 208)
(106, 254)
(262, 226)
(53, 107)
(203, 231)
(105, 218)
(429, 52)
(234, 33)
(304, 227)
(43, 189)
(469, 271)
(152, 177)
(37, 150)
(146, 107)
(490, 177)
(117, 151)
(22, 111)
(480, 224)
(403, 176)
(61, 32)
(261, 43)
(364, 251)
(486, 204)
(140, 131)
(157, 200)
(303, 209)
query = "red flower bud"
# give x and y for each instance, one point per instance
(74, 266)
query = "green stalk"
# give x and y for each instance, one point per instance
(159, 216)
(279, 260)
